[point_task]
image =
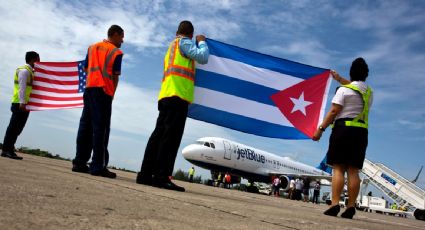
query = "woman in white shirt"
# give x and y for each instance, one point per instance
(349, 137)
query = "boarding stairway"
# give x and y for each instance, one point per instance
(403, 192)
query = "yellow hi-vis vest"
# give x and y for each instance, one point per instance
(191, 172)
(15, 97)
(179, 74)
(365, 113)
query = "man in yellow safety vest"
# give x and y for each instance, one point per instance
(23, 79)
(191, 174)
(176, 94)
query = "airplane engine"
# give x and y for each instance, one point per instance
(284, 182)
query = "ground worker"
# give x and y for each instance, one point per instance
(191, 174)
(219, 179)
(103, 65)
(177, 92)
(23, 79)
(348, 141)
(394, 206)
(227, 180)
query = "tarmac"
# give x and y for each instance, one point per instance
(43, 193)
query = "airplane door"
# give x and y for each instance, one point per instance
(227, 150)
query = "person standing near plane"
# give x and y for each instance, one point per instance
(292, 189)
(316, 192)
(306, 189)
(177, 92)
(298, 188)
(349, 137)
(276, 186)
(103, 65)
(23, 79)
(191, 174)
(227, 180)
(219, 179)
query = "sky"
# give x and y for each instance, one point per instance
(327, 34)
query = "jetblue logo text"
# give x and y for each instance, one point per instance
(250, 155)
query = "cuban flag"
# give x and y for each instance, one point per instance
(259, 94)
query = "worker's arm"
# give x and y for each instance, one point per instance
(199, 52)
(115, 79)
(116, 70)
(329, 119)
(23, 76)
(86, 63)
(339, 78)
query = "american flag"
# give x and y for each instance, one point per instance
(57, 85)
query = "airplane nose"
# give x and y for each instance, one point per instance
(188, 152)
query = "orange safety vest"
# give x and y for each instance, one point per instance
(101, 57)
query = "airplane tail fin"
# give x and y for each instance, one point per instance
(324, 167)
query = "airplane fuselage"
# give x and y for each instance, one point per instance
(223, 155)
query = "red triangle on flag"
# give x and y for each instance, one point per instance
(301, 103)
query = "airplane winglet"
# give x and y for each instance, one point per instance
(417, 176)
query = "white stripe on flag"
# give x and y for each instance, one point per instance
(37, 108)
(58, 69)
(50, 102)
(245, 72)
(239, 106)
(57, 78)
(325, 99)
(51, 94)
(55, 86)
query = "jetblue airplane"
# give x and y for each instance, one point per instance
(221, 155)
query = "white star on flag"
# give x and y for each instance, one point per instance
(300, 104)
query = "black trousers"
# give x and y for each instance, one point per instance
(316, 195)
(94, 128)
(163, 144)
(16, 125)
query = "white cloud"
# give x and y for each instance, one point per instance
(134, 109)
(308, 51)
(416, 125)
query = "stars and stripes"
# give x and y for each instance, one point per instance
(57, 85)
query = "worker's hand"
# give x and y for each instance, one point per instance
(317, 135)
(336, 75)
(200, 38)
(22, 107)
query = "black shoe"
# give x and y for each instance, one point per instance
(104, 173)
(349, 213)
(167, 184)
(11, 155)
(332, 211)
(144, 179)
(80, 168)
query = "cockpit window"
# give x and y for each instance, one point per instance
(208, 144)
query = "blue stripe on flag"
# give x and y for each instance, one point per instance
(244, 124)
(233, 86)
(262, 60)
